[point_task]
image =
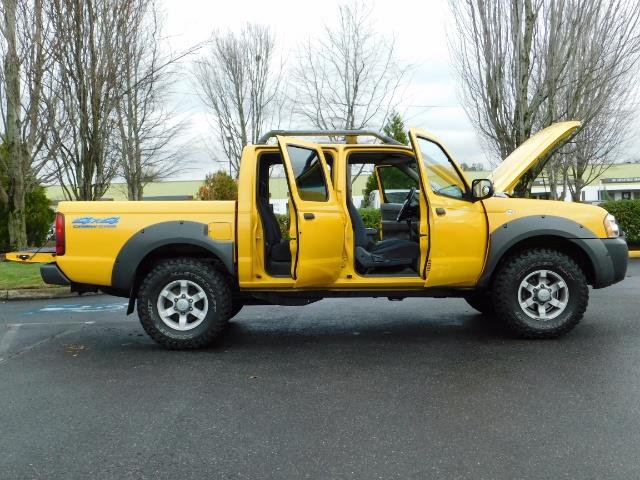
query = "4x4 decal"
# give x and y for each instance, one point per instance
(93, 222)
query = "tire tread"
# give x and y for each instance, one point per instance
(506, 277)
(223, 302)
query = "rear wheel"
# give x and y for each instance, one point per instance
(540, 293)
(184, 303)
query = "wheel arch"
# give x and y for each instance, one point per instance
(572, 249)
(544, 231)
(164, 241)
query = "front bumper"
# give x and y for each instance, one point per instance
(52, 275)
(619, 254)
(609, 258)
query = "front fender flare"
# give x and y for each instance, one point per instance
(505, 237)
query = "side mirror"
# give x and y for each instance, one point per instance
(481, 188)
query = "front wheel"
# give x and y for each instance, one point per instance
(184, 303)
(540, 293)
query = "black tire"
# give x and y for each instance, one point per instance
(482, 302)
(506, 293)
(205, 276)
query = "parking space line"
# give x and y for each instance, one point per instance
(37, 344)
(48, 323)
(6, 340)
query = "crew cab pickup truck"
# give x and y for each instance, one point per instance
(190, 266)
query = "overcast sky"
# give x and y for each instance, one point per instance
(420, 28)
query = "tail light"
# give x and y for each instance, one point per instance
(60, 243)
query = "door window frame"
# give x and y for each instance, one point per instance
(417, 135)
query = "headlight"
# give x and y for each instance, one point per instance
(611, 226)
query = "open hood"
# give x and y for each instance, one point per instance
(506, 176)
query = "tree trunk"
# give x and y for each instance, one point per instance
(135, 190)
(553, 185)
(565, 184)
(15, 174)
(576, 193)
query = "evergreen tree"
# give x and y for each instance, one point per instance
(395, 129)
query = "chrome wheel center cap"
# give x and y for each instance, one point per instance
(544, 295)
(182, 305)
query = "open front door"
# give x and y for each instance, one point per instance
(317, 220)
(457, 224)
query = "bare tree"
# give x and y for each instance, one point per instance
(599, 87)
(25, 120)
(525, 64)
(89, 55)
(147, 130)
(350, 77)
(239, 81)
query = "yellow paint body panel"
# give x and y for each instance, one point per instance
(457, 227)
(221, 231)
(511, 169)
(91, 252)
(458, 243)
(317, 231)
(503, 210)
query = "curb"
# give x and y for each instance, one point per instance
(39, 293)
(634, 254)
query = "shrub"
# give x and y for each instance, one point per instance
(627, 213)
(218, 186)
(283, 223)
(371, 217)
(39, 218)
(370, 186)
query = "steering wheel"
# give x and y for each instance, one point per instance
(404, 210)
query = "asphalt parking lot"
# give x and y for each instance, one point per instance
(339, 389)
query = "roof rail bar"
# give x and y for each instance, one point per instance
(328, 133)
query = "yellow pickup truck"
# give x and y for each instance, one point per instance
(191, 266)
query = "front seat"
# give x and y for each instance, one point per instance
(370, 255)
(277, 249)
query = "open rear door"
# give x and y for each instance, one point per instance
(317, 220)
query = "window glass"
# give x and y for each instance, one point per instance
(308, 174)
(441, 174)
(395, 184)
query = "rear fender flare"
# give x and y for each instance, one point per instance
(164, 234)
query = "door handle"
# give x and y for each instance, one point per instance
(309, 216)
(441, 211)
